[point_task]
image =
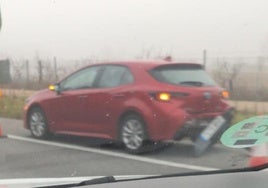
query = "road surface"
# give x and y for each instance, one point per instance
(22, 156)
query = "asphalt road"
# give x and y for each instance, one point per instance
(22, 156)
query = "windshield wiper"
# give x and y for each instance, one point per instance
(192, 83)
(106, 179)
(94, 181)
(112, 179)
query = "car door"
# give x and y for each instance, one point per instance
(108, 98)
(71, 106)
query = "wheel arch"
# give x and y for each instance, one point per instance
(127, 113)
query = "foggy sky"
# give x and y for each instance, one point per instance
(124, 29)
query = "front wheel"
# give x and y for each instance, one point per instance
(37, 123)
(133, 134)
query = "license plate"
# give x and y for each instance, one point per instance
(212, 128)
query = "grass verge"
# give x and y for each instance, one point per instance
(242, 115)
(11, 107)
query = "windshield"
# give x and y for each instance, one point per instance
(130, 87)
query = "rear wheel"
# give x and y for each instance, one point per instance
(37, 123)
(133, 134)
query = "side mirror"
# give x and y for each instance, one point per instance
(55, 88)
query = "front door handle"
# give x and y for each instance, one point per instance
(119, 95)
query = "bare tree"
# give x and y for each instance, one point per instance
(17, 67)
(259, 92)
(40, 71)
(153, 53)
(227, 72)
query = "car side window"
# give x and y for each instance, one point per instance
(127, 77)
(113, 76)
(82, 79)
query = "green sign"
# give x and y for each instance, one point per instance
(247, 133)
(5, 77)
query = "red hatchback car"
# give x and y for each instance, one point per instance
(131, 102)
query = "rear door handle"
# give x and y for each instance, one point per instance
(82, 96)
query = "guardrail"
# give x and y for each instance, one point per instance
(259, 108)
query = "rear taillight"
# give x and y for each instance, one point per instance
(225, 94)
(167, 96)
(163, 96)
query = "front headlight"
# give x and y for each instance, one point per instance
(26, 104)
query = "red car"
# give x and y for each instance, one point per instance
(131, 102)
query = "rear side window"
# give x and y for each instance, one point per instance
(189, 75)
(114, 75)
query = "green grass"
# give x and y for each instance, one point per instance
(240, 116)
(11, 107)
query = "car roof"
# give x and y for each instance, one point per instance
(145, 64)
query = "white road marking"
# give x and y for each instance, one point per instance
(114, 154)
(64, 180)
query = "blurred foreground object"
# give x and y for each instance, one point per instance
(0, 19)
(259, 155)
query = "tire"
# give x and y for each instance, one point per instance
(133, 134)
(37, 123)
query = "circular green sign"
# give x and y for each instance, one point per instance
(247, 133)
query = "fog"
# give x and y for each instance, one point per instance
(126, 29)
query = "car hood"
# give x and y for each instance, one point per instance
(40, 94)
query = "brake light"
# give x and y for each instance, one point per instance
(225, 94)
